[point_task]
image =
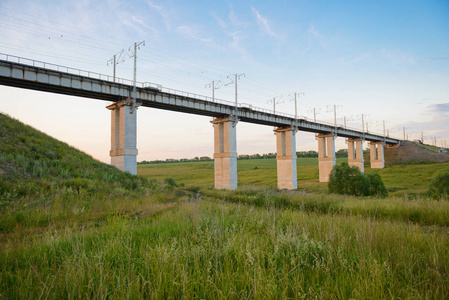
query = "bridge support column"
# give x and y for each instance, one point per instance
(123, 137)
(225, 153)
(286, 158)
(326, 155)
(355, 154)
(377, 155)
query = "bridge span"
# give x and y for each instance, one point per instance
(41, 76)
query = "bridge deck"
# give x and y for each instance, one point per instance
(103, 88)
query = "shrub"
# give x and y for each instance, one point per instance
(377, 187)
(440, 185)
(346, 180)
(170, 181)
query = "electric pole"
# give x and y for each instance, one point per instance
(236, 78)
(296, 103)
(335, 115)
(212, 84)
(363, 125)
(274, 104)
(132, 52)
(136, 46)
(115, 60)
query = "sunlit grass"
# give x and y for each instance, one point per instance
(214, 249)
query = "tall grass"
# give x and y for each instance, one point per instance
(212, 249)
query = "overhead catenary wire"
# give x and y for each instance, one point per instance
(161, 64)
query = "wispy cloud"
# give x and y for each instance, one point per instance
(398, 56)
(162, 11)
(441, 109)
(317, 36)
(314, 32)
(129, 22)
(263, 23)
(143, 24)
(219, 21)
(233, 17)
(190, 33)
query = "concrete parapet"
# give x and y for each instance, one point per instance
(225, 153)
(326, 155)
(377, 155)
(286, 158)
(123, 136)
(355, 153)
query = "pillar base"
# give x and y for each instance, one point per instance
(223, 167)
(358, 164)
(355, 154)
(377, 165)
(286, 158)
(377, 155)
(326, 155)
(125, 163)
(225, 154)
(287, 174)
(325, 168)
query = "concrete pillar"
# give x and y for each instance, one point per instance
(377, 155)
(225, 153)
(326, 155)
(355, 154)
(123, 137)
(286, 158)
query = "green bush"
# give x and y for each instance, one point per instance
(346, 180)
(170, 181)
(377, 187)
(439, 187)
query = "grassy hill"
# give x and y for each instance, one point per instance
(414, 153)
(71, 227)
(38, 172)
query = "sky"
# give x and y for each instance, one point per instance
(387, 60)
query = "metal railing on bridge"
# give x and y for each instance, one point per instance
(155, 86)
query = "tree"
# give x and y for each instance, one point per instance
(440, 185)
(341, 153)
(377, 187)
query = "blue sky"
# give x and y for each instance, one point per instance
(388, 60)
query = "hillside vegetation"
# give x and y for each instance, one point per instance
(86, 230)
(414, 153)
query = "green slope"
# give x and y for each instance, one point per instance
(38, 171)
(34, 158)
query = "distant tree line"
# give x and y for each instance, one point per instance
(299, 154)
(173, 160)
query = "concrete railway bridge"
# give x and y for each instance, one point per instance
(41, 76)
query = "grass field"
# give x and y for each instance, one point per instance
(72, 228)
(400, 180)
